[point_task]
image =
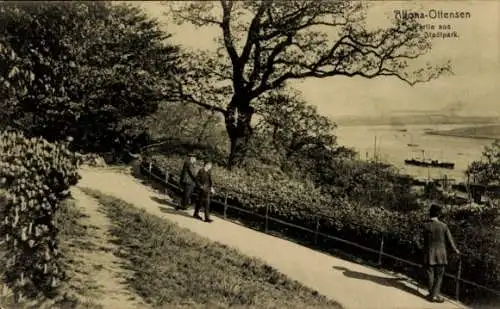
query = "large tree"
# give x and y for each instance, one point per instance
(264, 44)
(81, 69)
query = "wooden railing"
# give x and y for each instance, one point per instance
(148, 168)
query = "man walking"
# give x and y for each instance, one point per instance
(436, 235)
(204, 185)
(187, 181)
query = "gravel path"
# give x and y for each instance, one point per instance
(352, 285)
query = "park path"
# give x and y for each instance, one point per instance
(104, 268)
(352, 285)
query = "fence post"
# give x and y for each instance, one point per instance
(381, 251)
(225, 206)
(316, 232)
(267, 214)
(457, 279)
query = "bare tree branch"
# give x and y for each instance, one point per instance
(269, 66)
(257, 69)
(196, 12)
(197, 81)
(189, 98)
(253, 30)
(339, 60)
(298, 39)
(286, 41)
(226, 30)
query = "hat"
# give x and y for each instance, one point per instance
(435, 210)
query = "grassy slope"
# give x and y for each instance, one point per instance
(176, 268)
(478, 132)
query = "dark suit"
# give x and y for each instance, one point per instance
(436, 235)
(187, 182)
(204, 185)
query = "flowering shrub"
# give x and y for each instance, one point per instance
(36, 176)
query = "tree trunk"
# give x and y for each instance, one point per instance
(201, 134)
(238, 120)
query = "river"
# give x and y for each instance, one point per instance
(392, 147)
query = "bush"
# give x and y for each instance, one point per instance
(477, 230)
(182, 147)
(90, 70)
(370, 183)
(36, 176)
(286, 198)
(303, 204)
(190, 123)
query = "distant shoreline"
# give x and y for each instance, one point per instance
(482, 132)
(387, 123)
(416, 120)
(450, 134)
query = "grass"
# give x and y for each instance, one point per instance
(74, 237)
(175, 268)
(476, 132)
(73, 294)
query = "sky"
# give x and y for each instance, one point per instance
(474, 54)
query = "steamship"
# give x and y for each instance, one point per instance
(425, 162)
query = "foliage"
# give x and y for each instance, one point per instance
(259, 188)
(81, 69)
(303, 145)
(264, 44)
(72, 293)
(187, 122)
(180, 129)
(339, 173)
(177, 268)
(477, 229)
(287, 198)
(487, 170)
(37, 176)
(353, 219)
(292, 125)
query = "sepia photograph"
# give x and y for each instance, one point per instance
(252, 154)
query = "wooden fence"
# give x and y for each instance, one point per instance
(148, 168)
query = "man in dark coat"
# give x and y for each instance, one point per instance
(435, 235)
(188, 182)
(204, 185)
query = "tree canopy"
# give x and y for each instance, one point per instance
(81, 69)
(487, 170)
(292, 125)
(264, 44)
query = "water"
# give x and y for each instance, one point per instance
(392, 147)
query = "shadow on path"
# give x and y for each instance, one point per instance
(397, 283)
(170, 210)
(165, 202)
